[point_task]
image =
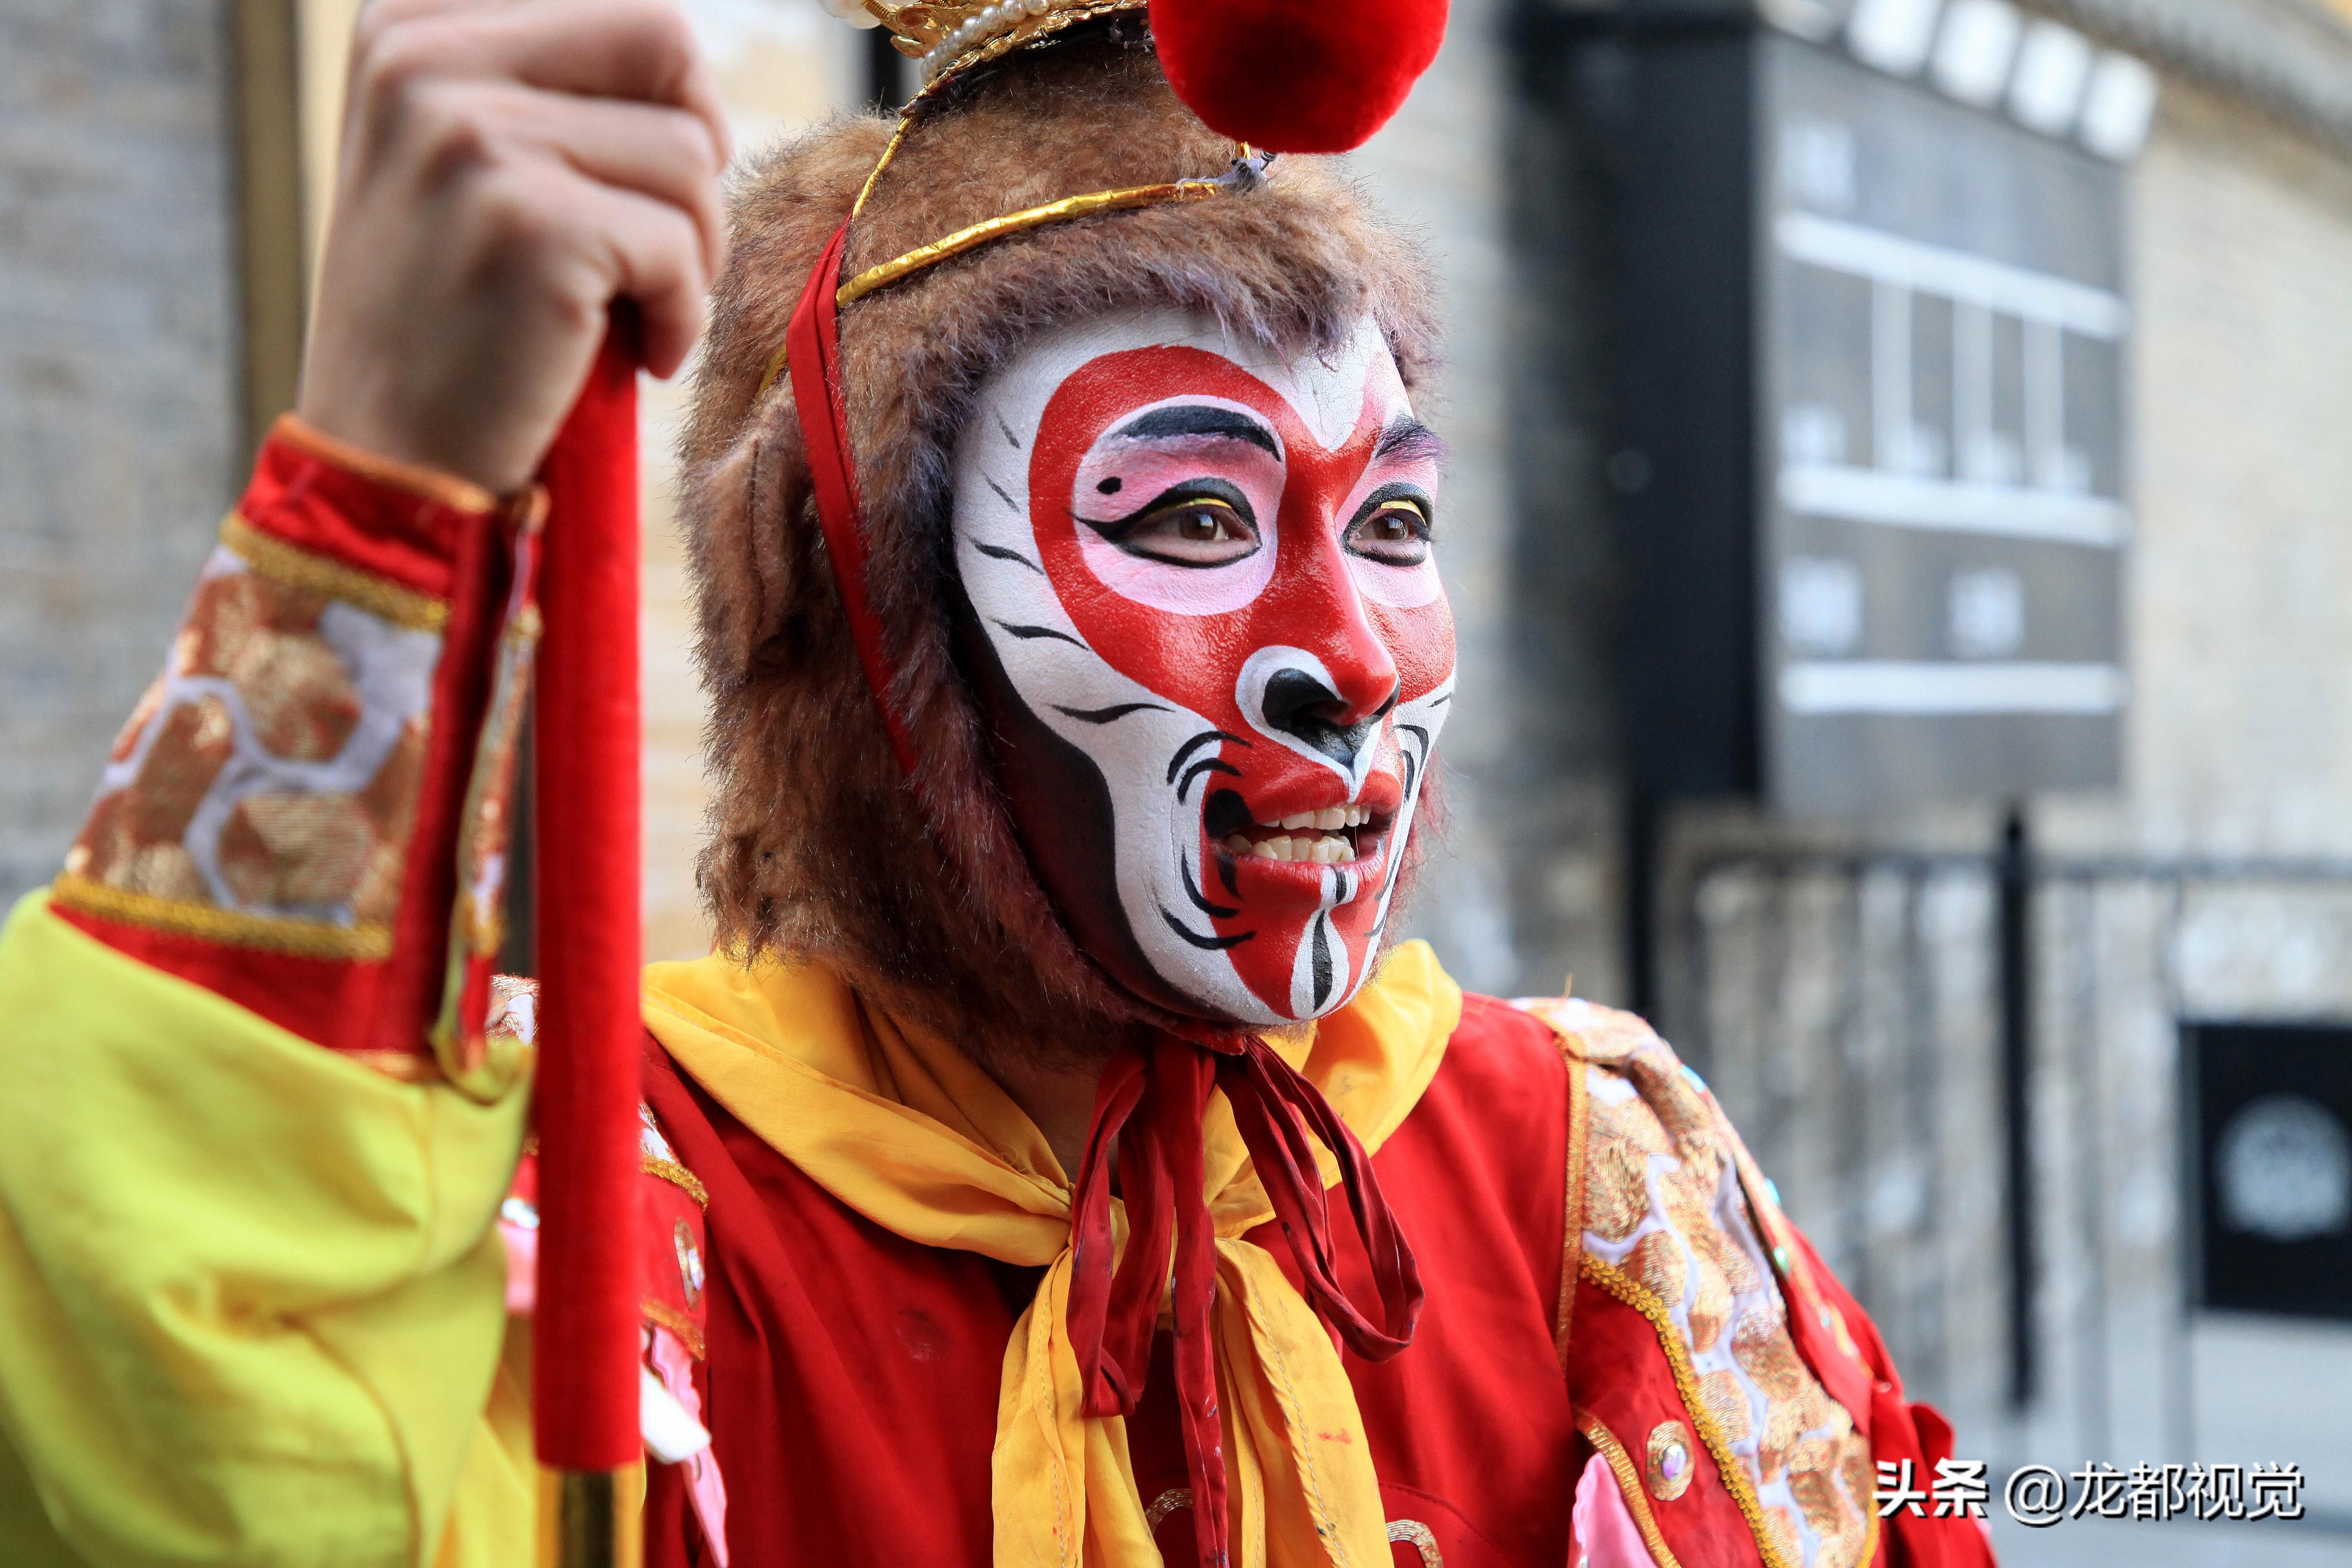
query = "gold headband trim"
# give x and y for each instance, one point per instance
(889, 151)
(980, 233)
(1247, 173)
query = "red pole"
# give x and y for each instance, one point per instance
(584, 1376)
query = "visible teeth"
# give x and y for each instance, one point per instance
(1310, 849)
(1297, 819)
(1331, 817)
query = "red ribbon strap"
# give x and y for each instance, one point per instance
(812, 361)
(1152, 1107)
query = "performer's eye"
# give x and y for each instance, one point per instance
(1394, 532)
(1203, 526)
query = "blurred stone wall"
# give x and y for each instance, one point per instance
(781, 65)
(2241, 246)
(119, 422)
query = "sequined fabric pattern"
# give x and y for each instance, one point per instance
(264, 790)
(1668, 1216)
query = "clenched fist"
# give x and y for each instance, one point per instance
(509, 169)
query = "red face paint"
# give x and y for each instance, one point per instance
(1205, 610)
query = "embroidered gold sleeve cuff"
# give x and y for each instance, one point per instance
(281, 818)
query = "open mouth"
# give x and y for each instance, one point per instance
(1335, 836)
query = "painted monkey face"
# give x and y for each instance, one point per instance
(1209, 634)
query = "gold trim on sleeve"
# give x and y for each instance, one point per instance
(368, 941)
(306, 569)
(676, 1175)
(425, 484)
(402, 1067)
(676, 1322)
(1580, 1123)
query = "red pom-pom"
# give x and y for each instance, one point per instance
(1296, 76)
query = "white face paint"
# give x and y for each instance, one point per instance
(1206, 606)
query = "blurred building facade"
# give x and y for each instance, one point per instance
(1838, 976)
(164, 171)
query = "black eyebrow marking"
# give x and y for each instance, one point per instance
(1010, 439)
(1001, 495)
(1031, 634)
(1107, 715)
(998, 552)
(1194, 744)
(1198, 419)
(1408, 437)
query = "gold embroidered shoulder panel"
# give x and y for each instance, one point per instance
(1673, 1229)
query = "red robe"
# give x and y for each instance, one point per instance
(851, 1379)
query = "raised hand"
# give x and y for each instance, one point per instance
(509, 169)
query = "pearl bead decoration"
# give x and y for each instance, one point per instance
(1003, 17)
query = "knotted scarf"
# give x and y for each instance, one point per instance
(906, 1130)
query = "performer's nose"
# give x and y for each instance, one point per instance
(1298, 704)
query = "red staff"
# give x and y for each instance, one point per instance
(584, 1376)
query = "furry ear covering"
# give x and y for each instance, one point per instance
(918, 891)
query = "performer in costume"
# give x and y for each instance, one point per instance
(1055, 1164)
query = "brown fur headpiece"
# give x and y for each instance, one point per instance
(919, 894)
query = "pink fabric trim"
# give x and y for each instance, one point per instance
(523, 1268)
(1606, 1536)
(668, 1358)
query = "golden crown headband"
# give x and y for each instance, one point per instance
(950, 39)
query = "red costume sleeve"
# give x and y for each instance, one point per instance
(307, 812)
